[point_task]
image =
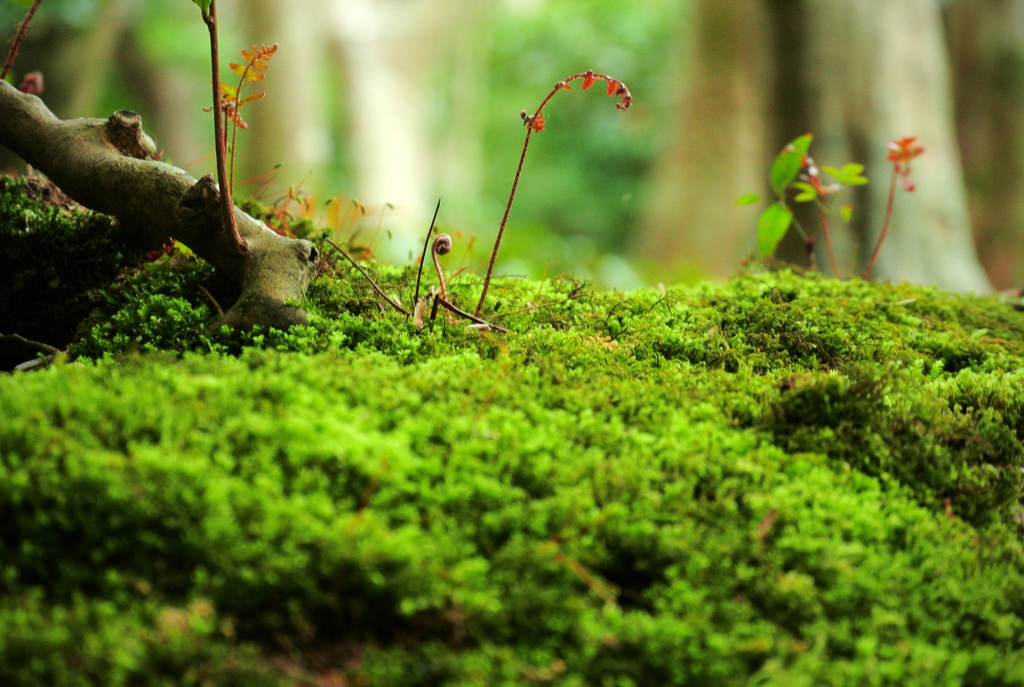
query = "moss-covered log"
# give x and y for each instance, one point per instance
(108, 166)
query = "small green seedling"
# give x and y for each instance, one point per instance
(795, 178)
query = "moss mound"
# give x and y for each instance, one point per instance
(785, 480)
(55, 258)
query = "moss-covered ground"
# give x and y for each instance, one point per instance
(783, 480)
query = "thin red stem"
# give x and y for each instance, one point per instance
(227, 206)
(22, 30)
(827, 233)
(231, 168)
(885, 227)
(561, 85)
(504, 219)
(234, 124)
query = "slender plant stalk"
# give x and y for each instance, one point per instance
(462, 313)
(536, 122)
(231, 168)
(827, 233)
(20, 36)
(441, 246)
(885, 227)
(423, 257)
(263, 54)
(504, 218)
(226, 203)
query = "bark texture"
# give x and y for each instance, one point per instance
(107, 166)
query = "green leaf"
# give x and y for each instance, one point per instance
(787, 165)
(204, 5)
(784, 170)
(846, 212)
(849, 175)
(802, 143)
(748, 199)
(772, 226)
(807, 192)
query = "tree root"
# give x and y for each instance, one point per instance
(108, 166)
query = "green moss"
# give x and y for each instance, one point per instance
(53, 264)
(781, 480)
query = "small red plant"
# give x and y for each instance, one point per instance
(231, 96)
(208, 8)
(226, 106)
(901, 152)
(535, 122)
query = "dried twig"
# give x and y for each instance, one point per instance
(220, 310)
(376, 288)
(423, 256)
(45, 348)
(462, 313)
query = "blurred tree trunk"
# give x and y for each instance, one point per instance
(987, 46)
(717, 151)
(287, 131)
(856, 73)
(392, 50)
(386, 46)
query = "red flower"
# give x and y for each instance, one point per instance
(588, 79)
(901, 152)
(536, 122)
(619, 88)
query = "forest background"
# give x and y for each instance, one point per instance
(375, 108)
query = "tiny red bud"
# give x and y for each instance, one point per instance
(32, 83)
